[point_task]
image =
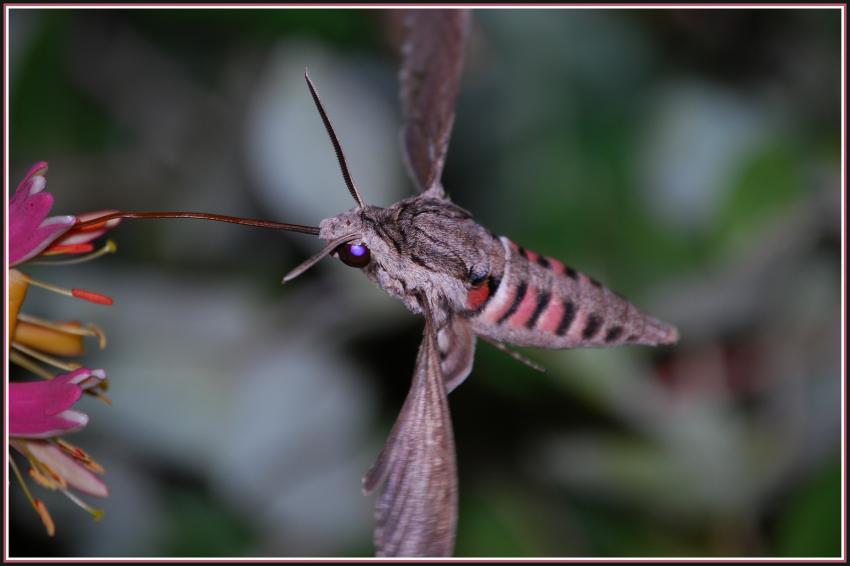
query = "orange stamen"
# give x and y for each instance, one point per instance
(41, 509)
(80, 455)
(47, 481)
(18, 285)
(78, 293)
(50, 340)
(91, 296)
(72, 327)
(70, 249)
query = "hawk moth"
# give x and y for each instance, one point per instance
(466, 282)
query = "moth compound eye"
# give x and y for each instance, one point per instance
(354, 255)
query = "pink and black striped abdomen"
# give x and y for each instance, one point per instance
(539, 301)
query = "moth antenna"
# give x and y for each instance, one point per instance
(332, 245)
(343, 165)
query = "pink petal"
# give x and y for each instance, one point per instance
(40, 409)
(34, 182)
(30, 231)
(86, 378)
(31, 241)
(37, 170)
(72, 471)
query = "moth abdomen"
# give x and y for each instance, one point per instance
(540, 301)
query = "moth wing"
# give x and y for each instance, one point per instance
(432, 61)
(416, 510)
(456, 342)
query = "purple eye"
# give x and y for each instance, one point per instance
(355, 255)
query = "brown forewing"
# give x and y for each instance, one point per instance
(416, 510)
(432, 61)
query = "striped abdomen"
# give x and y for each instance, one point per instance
(539, 301)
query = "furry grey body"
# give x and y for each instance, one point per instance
(419, 245)
(430, 247)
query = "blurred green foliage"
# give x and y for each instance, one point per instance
(41, 124)
(198, 525)
(811, 523)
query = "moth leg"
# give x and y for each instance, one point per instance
(515, 355)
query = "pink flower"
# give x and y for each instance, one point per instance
(39, 412)
(41, 409)
(30, 230)
(60, 465)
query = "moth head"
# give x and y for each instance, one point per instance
(341, 232)
(346, 233)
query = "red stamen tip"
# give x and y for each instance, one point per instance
(91, 296)
(70, 249)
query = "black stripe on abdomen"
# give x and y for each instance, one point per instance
(594, 323)
(542, 303)
(613, 333)
(566, 318)
(520, 294)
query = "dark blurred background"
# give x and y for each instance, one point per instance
(689, 159)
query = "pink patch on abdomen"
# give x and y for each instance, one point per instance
(551, 317)
(525, 308)
(578, 325)
(557, 266)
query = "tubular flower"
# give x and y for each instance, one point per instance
(30, 231)
(42, 409)
(40, 412)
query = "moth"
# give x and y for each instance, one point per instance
(464, 280)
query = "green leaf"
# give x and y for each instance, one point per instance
(811, 525)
